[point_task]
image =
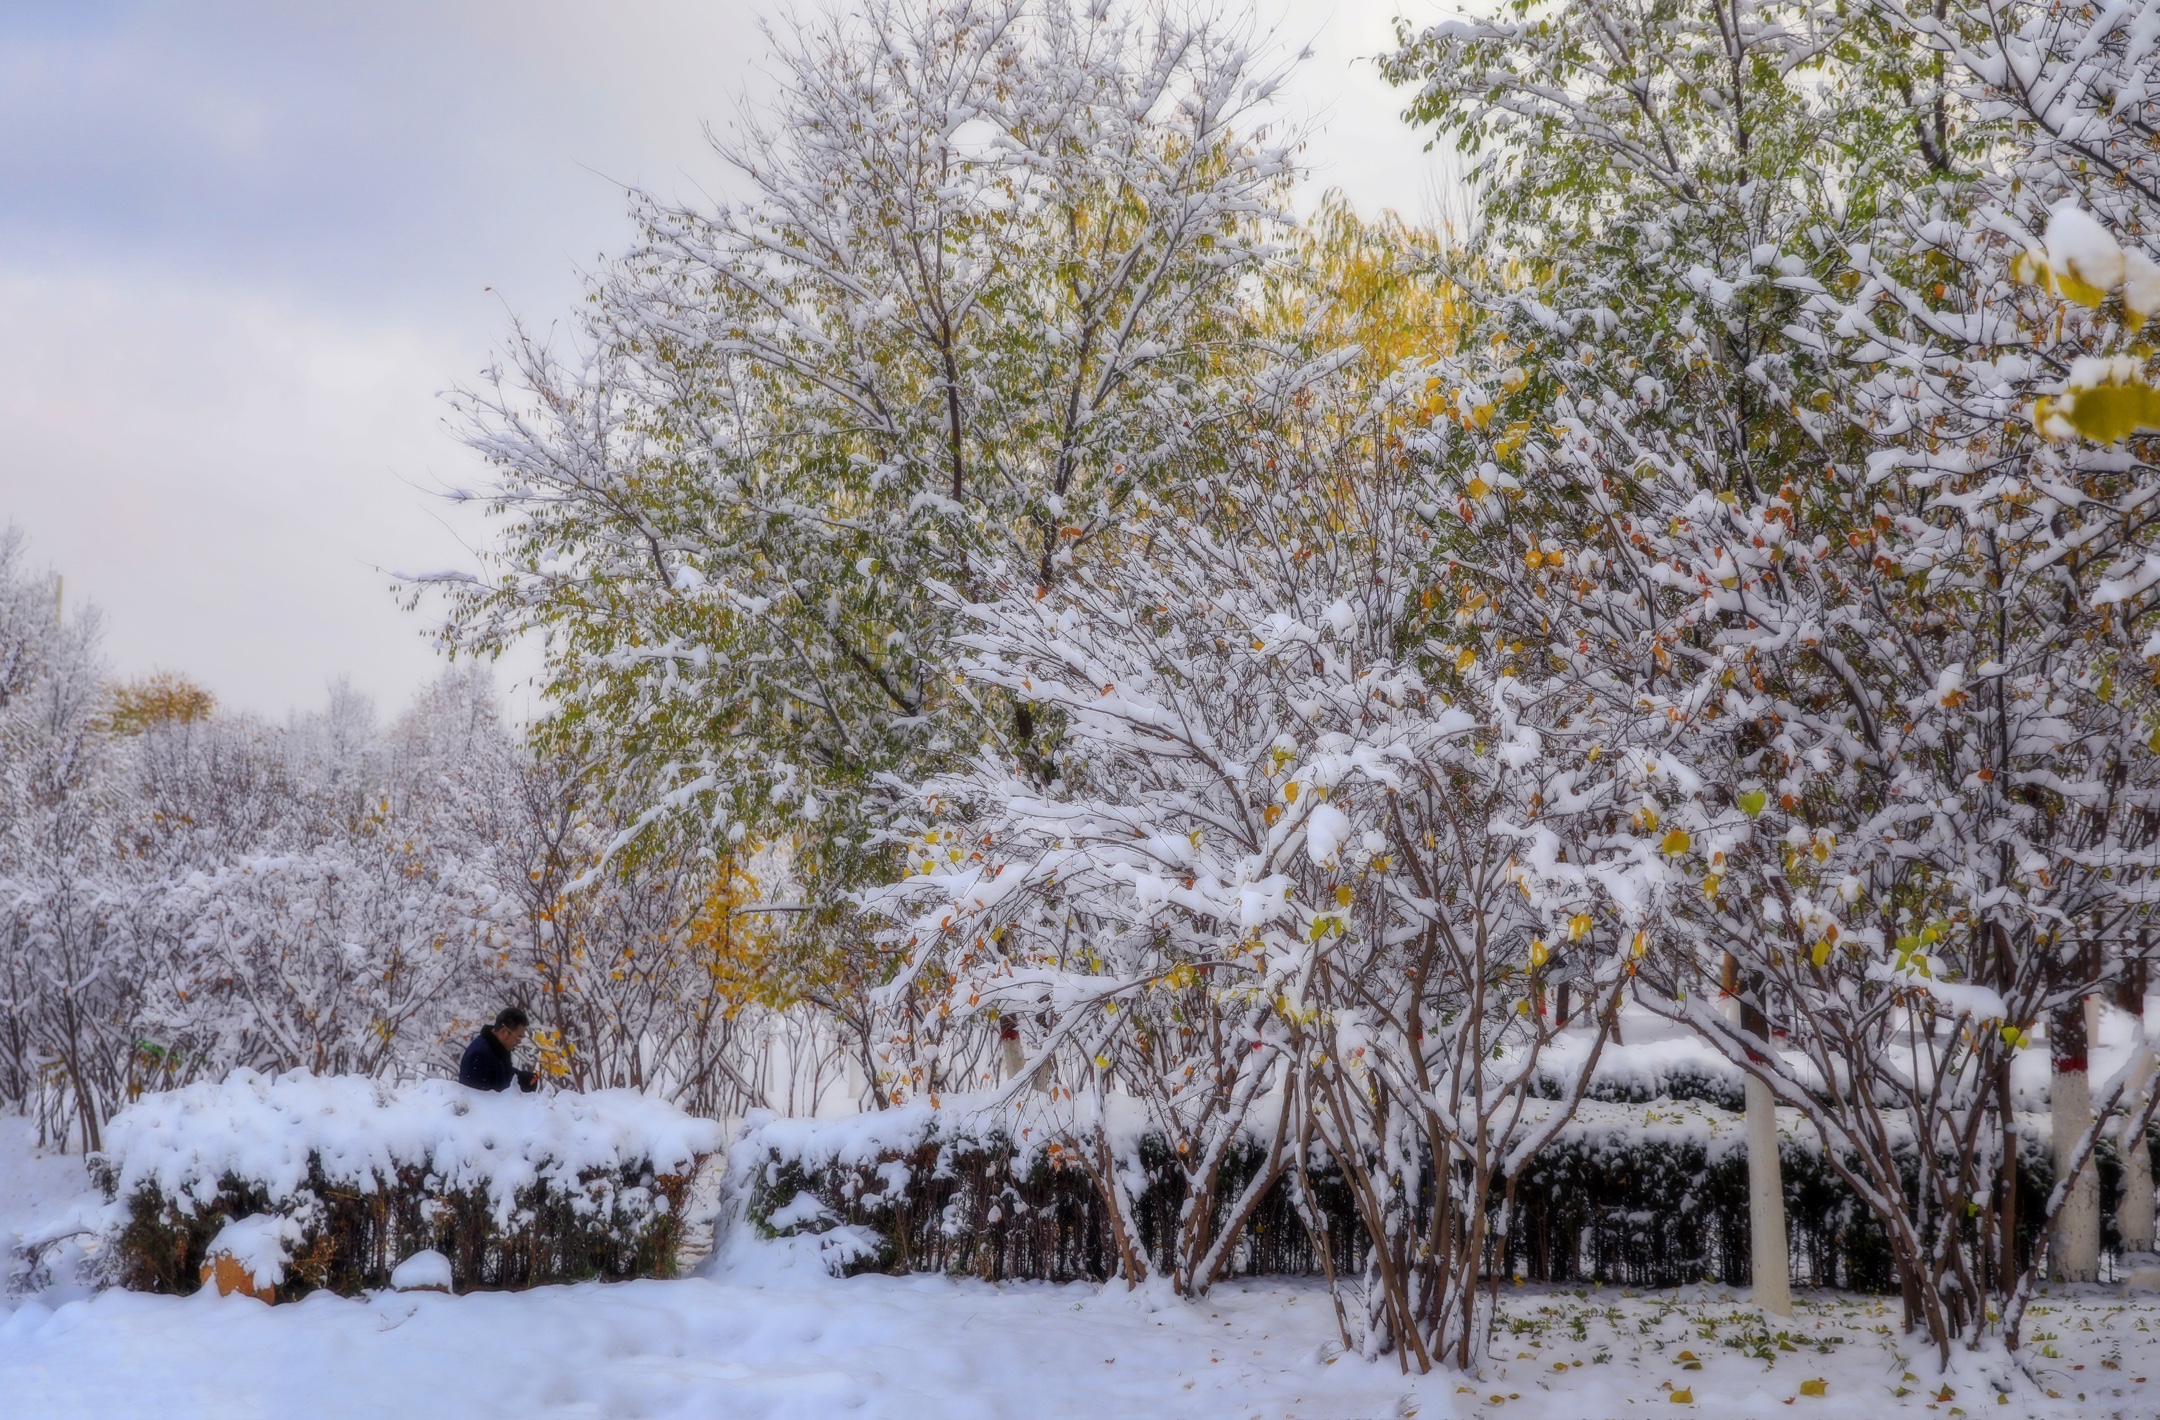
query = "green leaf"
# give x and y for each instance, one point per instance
(1753, 802)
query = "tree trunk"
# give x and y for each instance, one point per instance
(2006, 1275)
(2006, 1180)
(1772, 1266)
(2134, 1219)
(1766, 1203)
(2074, 1249)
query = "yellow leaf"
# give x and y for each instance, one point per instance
(1289, 791)
(1710, 885)
(2084, 293)
(1271, 813)
(1466, 660)
(1538, 955)
(2104, 414)
(1814, 1387)
(1821, 953)
(1683, 1397)
(1342, 897)
(1577, 926)
(1676, 842)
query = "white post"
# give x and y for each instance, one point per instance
(2074, 1251)
(1766, 1202)
(1771, 1264)
(2134, 1219)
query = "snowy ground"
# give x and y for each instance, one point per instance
(35, 1184)
(763, 1334)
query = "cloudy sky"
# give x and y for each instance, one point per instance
(244, 246)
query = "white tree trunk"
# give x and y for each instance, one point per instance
(1766, 1203)
(2135, 1217)
(1015, 1057)
(2074, 1251)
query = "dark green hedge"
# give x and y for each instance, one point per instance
(609, 1230)
(1591, 1208)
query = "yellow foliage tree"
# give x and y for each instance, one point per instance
(161, 698)
(1379, 284)
(737, 945)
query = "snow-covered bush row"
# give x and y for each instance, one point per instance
(1639, 1195)
(975, 1187)
(1679, 1069)
(344, 1177)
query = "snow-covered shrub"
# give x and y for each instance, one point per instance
(973, 1188)
(1629, 1194)
(425, 1270)
(514, 1189)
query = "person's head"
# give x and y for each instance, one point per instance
(510, 1026)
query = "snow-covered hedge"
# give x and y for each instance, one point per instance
(1634, 1194)
(513, 1189)
(960, 1189)
(1683, 1068)
(922, 1189)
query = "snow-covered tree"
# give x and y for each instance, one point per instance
(70, 972)
(980, 274)
(1286, 883)
(1751, 448)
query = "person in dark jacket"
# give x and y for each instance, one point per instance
(487, 1064)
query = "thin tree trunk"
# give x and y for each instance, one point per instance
(2006, 1275)
(2074, 1250)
